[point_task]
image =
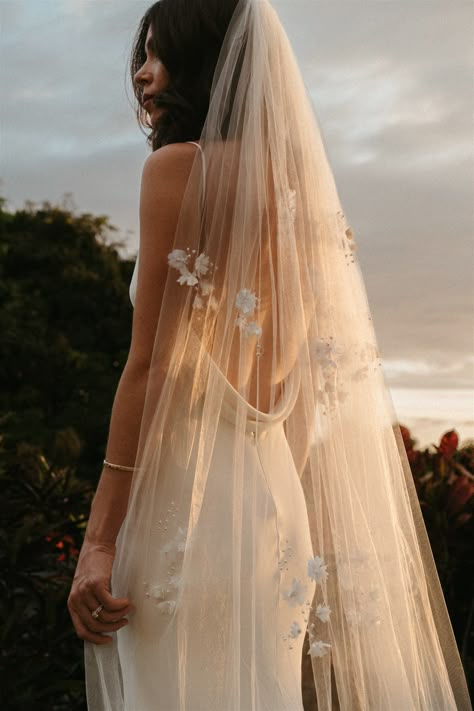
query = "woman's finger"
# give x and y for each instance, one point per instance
(98, 625)
(84, 633)
(119, 615)
(89, 599)
(113, 604)
(105, 615)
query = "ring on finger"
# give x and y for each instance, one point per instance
(95, 614)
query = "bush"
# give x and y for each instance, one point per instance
(43, 519)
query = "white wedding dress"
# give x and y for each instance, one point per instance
(147, 646)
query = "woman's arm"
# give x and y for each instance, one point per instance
(110, 501)
(164, 179)
(91, 585)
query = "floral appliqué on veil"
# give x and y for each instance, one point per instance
(246, 301)
(163, 592)
(295, 597)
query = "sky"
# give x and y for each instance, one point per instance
(391, 86)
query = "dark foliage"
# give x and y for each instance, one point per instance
(44, 514)
(65, 320)
(444, 481)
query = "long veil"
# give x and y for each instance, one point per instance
(264, 306)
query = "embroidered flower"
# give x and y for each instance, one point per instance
(323, 612)
(158, 592)
(198, 303)
(348, 244)
(362, 599)
(178, 259)
(253, 329)
(326, 352)
(177, 544)
(188, 278)
(317, 569)
(246, 301)
(206, 288)
(318, 648)
(201, 265)
(175, 581)
(167, 607)
(296, 594)
(241, 322)
(295, 630)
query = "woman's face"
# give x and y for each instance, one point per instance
(152, 77)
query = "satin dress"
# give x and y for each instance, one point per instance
(278, 566)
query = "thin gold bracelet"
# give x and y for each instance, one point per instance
(118, 466)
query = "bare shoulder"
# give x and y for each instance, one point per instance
(168, 168)
(164, 180)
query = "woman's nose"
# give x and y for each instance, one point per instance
(140, 75)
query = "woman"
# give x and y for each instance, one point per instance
(255, 487)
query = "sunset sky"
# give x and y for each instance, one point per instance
(391, 84)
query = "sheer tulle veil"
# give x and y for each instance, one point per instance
(264, 291)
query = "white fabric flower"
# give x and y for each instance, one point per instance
(201, 265)
(166, 607)
(178, 259)
(177, 544)
(253, 329)
(158, 592)
(246, 301)
(323, 612)
(180, 539)
(326, 352)
(206, 288)
(198, 303)
(295, 630)
(318, 649)
(317, 569)
(296, 594)
(175, 581)
(187, 278)
(241, 322)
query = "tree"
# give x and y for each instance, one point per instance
(65, 319)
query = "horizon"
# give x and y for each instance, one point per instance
(391, 87)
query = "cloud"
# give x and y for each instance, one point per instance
(391, 84)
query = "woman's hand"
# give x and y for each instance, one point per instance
(91, 589)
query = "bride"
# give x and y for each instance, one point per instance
(256, 511)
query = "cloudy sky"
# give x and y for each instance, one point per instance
(391, 84)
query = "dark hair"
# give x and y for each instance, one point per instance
(187, 38)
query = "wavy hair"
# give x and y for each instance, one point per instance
(187, 38)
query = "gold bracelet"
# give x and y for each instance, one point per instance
(118, 466)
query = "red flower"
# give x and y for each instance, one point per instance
(449, 444)
(460, 494)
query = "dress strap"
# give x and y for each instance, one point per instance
(203, 169)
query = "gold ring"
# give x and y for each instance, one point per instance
(96, 612)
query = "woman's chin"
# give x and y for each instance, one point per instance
(154, 116)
